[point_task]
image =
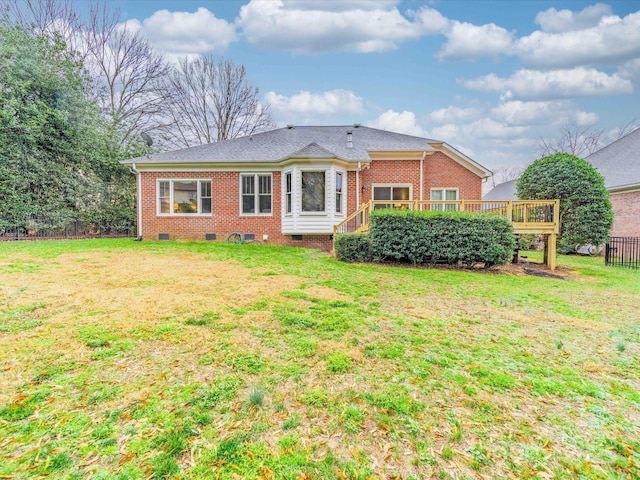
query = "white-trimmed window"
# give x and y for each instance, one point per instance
(255, 192)
(313, 191)
(397, 194)
(339, 187)
(444, 194)
(288, 192)
(184, 197)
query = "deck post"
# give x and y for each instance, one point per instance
(462, 205)
(551, 251)
(510, 210)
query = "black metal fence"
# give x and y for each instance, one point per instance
(43, 229)
(623, 252)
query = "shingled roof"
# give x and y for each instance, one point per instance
(350, 143)
(619, 162)
(503, 191)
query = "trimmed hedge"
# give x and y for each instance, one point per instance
(441, 236)
(353, 247)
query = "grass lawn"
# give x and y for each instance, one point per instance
(127, 360)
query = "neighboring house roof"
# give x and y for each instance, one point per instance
(503, 191)
(619, 162)
(351, 144)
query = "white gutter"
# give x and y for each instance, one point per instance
(138, 197)
(422, 176)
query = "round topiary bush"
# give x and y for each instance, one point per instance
(585, 209)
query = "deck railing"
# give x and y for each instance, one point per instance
(527, 216)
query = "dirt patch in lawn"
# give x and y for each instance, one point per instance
(536, 269)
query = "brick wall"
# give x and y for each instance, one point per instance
(439, 171)
(626, 214)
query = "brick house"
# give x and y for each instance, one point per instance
(291, 185)
(619, 164)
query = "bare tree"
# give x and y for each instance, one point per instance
(628, 128)
(48, 17)
(578, 141)
(211, 100)
(505, 173)
(127, 74)
(124, 71)
(582, 141)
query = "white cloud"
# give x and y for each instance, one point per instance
(556, 21)
(612, 41)
(453, 114)
(320, 27)
(557, 112)
(467, 42)
(184, 33)
(631, 71)
(584, 119)
(339, 6)
(401, 122)
(535, 85)
(311, 105)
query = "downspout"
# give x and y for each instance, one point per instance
(422, 176)
(139, 198)
(358, 185)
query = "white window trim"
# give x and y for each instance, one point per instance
(171, 200)
(342, 211)
(443, 190)
(284, 193)
(393, 185)
(327, 173)
(256, 193)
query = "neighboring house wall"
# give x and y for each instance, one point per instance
(626, 214)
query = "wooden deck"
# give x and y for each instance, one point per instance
(537, 217)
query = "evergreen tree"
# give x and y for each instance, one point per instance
(585, 208)
(54, 159)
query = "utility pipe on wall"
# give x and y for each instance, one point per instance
(139, 195)
(422, 176)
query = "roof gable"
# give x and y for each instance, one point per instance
(313, 150)
(619, 162)
(503, 191)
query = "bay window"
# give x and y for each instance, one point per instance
(339, 180)
(313, 191)
(288, 192)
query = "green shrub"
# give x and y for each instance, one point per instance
(427, 237)
(353, 247)
(585, 208)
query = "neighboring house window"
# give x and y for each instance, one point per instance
(288, 192)
(256, 194)
(339, 177)
(184, 197)
(444, 194)
(313, 191)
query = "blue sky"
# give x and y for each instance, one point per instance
(490, 78)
